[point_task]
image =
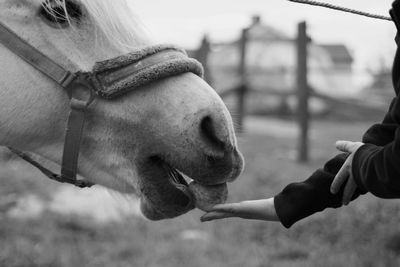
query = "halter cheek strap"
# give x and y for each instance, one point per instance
(109, 79)
(77, 114)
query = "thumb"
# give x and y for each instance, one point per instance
(344, 146)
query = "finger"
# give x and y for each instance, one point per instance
(349, 190)
(344, 146)
(227, 208)
(340, 177)
(215, 215)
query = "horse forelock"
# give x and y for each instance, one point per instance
(115, 19)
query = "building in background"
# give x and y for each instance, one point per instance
(271, 68)
(271, 63)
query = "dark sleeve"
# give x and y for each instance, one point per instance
(381, 134)
(377, 169)
(300, 200)
(376, 165)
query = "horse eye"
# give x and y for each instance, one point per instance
(74, 10)
(54, 12)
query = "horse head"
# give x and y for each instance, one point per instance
(145, 142)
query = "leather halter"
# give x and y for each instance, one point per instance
(109, 79)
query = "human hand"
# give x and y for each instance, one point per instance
(345, 174)
(262, 209)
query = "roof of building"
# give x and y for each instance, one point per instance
(339, 53)
(260, 31)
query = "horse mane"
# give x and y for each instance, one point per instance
(115, 19)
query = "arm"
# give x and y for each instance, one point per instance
(261, 209)
(300, 200)
(295, 202)
(377, 169)
(381, 134)
(370, 168)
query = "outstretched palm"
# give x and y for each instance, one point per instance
(262, 209)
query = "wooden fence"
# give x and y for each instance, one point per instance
(242, 89)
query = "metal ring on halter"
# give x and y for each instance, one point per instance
(80, 99)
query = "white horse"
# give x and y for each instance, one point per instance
(132, 143)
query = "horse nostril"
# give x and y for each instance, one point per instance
(210, 133)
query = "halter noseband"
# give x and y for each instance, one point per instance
(109, 79)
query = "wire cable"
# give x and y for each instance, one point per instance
(344, 9)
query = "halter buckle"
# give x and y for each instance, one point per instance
(80, 91)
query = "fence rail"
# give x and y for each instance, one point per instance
(243, 88)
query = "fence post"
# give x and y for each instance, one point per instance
(302, 92)
(242, 88)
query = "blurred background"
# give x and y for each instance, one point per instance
(289, 108)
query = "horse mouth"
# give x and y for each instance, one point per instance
(172, 193)
(176, 177)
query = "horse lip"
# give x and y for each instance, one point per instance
(170, 203)
(176, 198)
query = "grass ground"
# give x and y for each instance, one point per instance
(366, 233)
